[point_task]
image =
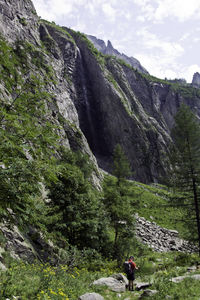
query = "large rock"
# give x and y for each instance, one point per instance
(142, 285)
(91, 296)
(112, 283)
(120, 277)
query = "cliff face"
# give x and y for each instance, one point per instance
(196, 80)
(102, 101)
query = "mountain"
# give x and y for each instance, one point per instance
(99, 100)
(109, 50)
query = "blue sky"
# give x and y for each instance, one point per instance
(164, 35)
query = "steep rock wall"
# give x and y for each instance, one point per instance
(101, 102)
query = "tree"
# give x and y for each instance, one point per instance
(118, 203)
(82, 218)
(185, 162)
(121, 166)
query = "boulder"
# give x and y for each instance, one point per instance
(148, 293)
(112, 283)
(142, 285)
(120, 277)
(91, 296)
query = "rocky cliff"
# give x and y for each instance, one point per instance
(196, 80)
(99, 100)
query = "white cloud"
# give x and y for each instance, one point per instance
(109, 11)
(53, 9)
(182, 9)
(158, 10)
(191, 70)
(151, 41)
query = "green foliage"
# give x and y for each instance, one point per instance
(82, 218)
(23, 21)
(38, 281)
(185, 163)
(118, 205)
(121, 166)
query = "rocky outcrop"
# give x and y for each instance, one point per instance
(19, 21)
(28, 247)
(196, 80)
(110, 50)
(161, 239)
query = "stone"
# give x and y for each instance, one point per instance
(192, 269)
(91, 296)
(142, 285)
(120, 277)
(148, 293)
(2, 266)
(181, 278)
(161, 239)
(112, 283)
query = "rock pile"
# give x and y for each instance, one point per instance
(161, 239)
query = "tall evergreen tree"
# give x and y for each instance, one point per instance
(118, 204)
(121, 166)
(185, 161)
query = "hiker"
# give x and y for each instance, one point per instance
(130, 272)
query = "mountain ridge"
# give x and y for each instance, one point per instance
(110, 50)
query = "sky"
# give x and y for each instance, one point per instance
(164, 35)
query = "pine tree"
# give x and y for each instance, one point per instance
(185, 162)
(117, 201)
(121, 166)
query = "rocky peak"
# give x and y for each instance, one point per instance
(110, 50)
(196, 80)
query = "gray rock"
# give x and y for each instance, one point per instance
(112, 283)
(120, 277)
(161, 239)
(192, 269)
(2, 267)
(91, 296)
(148, 293)
(181, 278)
(142, 285)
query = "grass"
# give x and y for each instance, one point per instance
(38, 281)
(154, 204)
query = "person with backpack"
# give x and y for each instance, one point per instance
(130, 267)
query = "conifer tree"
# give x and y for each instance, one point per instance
(121, 166)
(185, 162)
(118, 204)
